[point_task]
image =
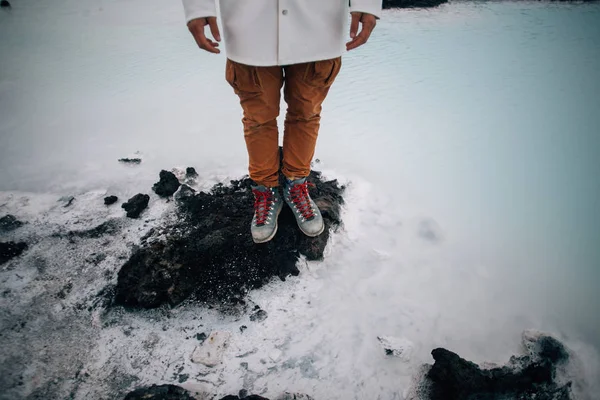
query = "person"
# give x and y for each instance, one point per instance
(273, 44)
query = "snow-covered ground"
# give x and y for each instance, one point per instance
(469, 138)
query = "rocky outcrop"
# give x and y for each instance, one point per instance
(167, 185)
(531, 376)
(135, 205)
(11, 250)
(412, 3)
(209, 253)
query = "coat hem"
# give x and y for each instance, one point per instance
(285, 61)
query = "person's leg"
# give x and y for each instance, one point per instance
(306, 86)
(259, 90)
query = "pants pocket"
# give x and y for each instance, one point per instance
(322, 73)
(243, 78)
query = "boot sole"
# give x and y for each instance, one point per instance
(268, 239)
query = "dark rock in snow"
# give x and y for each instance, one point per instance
(110, 200)
(130, 160)
(5, 4)
(162, 392)
(259, 315)
(209, 252)
(190, 172)
(167, 185)
(412, 3)
(135, 205)
(251, 397)
(531, 376)
(201, 337)
(10, 250)
(9, 223)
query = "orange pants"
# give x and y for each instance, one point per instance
(305, 87)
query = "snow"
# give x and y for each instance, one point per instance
(467, 135)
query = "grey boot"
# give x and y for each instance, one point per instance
(267, 206)
(305, 210)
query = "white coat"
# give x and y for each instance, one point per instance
(282, 32)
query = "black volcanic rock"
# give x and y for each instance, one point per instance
(209, 252)
(5, 4)
(167, 185)
(412, 3)
(130, 160)
(190, 172)
(162, 392)
(10, 250)
(135, 205)
(110, 200)
(9, 223)
(531, 376)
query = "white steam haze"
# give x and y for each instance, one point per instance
(468, 135)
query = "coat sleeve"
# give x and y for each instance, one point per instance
(199, 9)
(366, 6)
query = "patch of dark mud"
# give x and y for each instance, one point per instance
(10, 250)
(9, 223)
(531, 376)
(209, 254)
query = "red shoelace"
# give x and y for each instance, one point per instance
(262, 205)
(300, 198)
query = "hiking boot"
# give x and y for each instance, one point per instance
(305, 210)
(267, 206)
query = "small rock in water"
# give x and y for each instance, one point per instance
(136, 205)
(110, 200)
(11, 250)
(201, 337)
(5, 4)
(9, 223)
(397, 347)
(259, 316)
(167, 185)
(210, 352)
(130, 160)
(190, 172)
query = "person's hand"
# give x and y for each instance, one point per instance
(196, 27)
(368, 22)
